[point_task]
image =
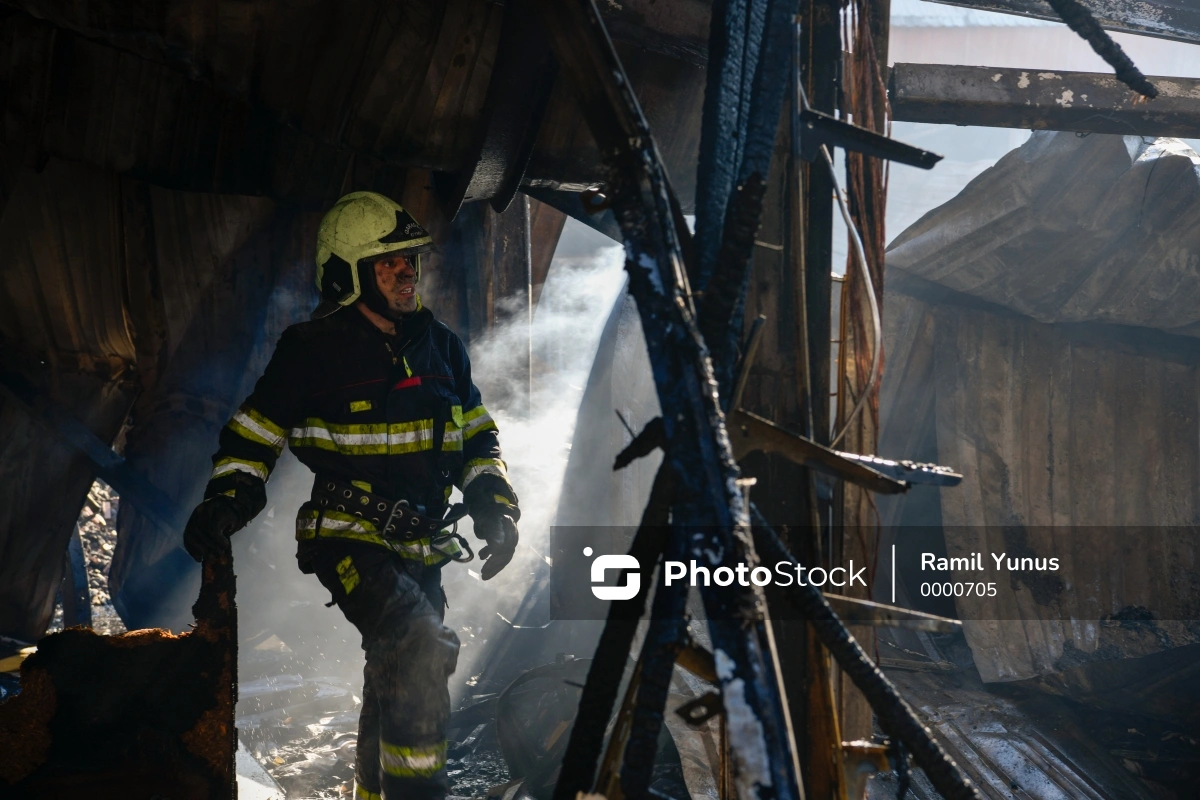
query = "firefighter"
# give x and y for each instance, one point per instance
(375, 396)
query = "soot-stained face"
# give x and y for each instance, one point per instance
(396, 277)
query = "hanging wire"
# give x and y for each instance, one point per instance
(873, 301)
(876, 324)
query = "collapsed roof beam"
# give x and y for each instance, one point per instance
(1083, 102)
(1166, 19)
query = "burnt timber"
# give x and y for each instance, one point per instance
(1166, 19)
(1083, 102)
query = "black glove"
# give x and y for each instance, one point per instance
(500, 531)
(221, 515)
(210, 526)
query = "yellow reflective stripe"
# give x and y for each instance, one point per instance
(343, 525)
(482, 466)
(365, 794)
(230, 464)
(251, 425)
(411, 762)
(378, 439)
(361, 793)
(477, 420)
(348, 574)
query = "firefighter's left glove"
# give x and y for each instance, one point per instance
(499, 529)
(222, 514)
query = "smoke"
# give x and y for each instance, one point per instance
(535, 409)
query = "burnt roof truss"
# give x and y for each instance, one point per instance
(517, 97)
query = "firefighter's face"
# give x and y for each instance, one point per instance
(396, 277)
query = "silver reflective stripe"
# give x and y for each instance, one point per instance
(473, 425)
(474, 471)
(247, 422)
(407, 762)
(256, 469)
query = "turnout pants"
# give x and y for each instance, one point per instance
(398, 606)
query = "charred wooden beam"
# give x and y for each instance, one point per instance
(1084, 102)
(571, 204)
(612, 651)
(517, 96)
(749, 432)
(1165, 19)
(709, 515)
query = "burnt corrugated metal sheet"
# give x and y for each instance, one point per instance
(1078, 435)
(61, 326)
(295, 101)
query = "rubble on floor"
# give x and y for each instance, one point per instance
(98, 534)
(299, 724)
(1015, 741)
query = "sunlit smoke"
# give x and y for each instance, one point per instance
(536, 433)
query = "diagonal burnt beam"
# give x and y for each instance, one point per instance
(1084, 102)
(709, 516)
(1178, 20)
(1079, 19)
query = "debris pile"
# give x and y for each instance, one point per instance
(97, 528)
(165, 726)
(98, 532)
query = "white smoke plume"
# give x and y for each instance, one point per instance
(583, 284)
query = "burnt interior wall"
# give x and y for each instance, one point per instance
(1076, 440)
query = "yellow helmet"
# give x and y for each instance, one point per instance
(361, 226)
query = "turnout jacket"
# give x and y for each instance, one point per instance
(397, 416)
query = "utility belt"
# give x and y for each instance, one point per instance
(397, 522)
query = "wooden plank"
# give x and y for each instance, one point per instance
(545, 228)
(1084, 102)
(1178, 20)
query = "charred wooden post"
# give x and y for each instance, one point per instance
(856, 518)
(708, 512)
(612, 651)
(165, 727)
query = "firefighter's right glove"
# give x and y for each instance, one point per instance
(210, 526)
(500, 531)
(227, 509)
